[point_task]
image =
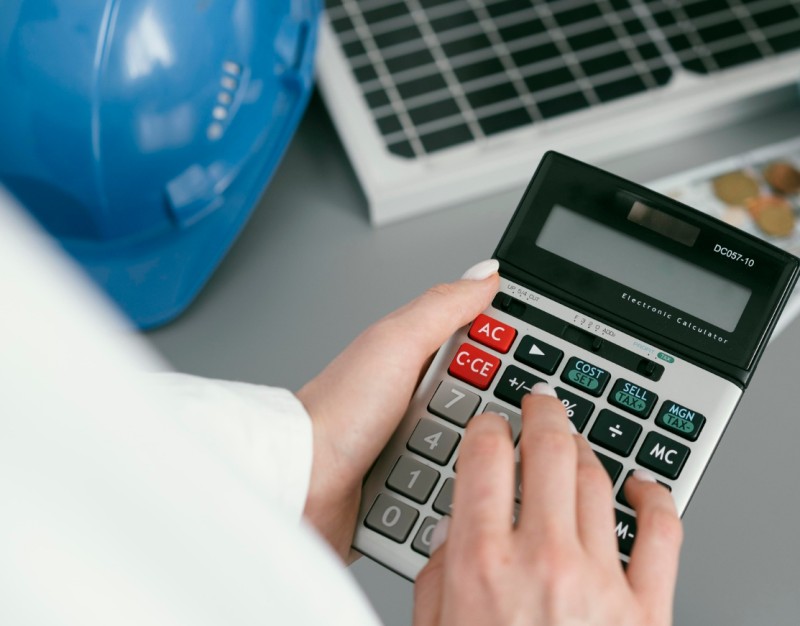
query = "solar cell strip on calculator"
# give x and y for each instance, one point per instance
(439, 73)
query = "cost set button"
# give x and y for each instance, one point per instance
(585, 376)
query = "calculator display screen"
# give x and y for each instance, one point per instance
(647, 269)
(647, 264)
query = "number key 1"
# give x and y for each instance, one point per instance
(413, 479)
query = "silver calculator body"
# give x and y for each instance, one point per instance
(647, 317)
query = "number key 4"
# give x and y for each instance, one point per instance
(433, 441)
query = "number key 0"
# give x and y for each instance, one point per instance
(391, 518)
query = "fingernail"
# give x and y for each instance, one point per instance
(644, 476)
(572, 428)
(439, 533)
(543, 389)
(482, 270)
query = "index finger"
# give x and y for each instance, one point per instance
(483, 501)
(549, 464)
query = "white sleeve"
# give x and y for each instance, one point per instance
(116, 513)
(264, 432)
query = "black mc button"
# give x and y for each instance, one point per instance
(662, 455)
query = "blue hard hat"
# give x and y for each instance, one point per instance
(141, 133)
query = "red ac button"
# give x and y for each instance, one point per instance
(474, 366)
(493, 334)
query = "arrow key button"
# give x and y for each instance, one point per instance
(538, 355)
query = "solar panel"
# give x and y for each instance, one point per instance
(432, 76)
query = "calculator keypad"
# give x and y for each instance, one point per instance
(433, 441)
(627, 430)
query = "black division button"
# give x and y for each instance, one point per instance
(614, 432)
(662, 455)
(680, 420)
(433, 441)
(585, 376)
(422, 542)
(626, 531)
(614, 468)
(632, 398)
(514, 384)
(391, 518)
(578, 409)
(413, 479)
(538, 355)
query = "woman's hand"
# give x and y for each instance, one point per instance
(559, 564)
(356, 403)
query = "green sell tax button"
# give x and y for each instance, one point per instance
(632, 398)
(585, 376)
(677, 419)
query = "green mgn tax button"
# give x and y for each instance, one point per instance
(585, 376)
(632, 398)
(680, 420)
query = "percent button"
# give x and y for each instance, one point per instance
(579, 410)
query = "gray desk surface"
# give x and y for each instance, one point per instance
(309, 273)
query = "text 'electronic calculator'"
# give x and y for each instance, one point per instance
(646, 316)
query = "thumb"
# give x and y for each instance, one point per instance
(429, 320)
(397, 348)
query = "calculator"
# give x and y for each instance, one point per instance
(646, 316)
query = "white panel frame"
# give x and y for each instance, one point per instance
(398, 188)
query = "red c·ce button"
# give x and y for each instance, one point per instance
(474, 366)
